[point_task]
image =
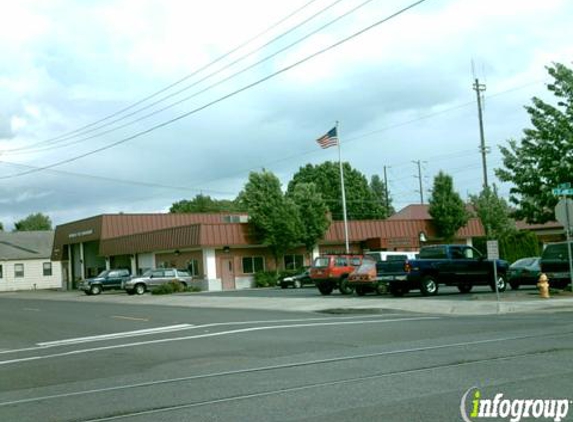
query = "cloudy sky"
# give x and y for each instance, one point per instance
(130, 105)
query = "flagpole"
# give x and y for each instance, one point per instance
(343, 192)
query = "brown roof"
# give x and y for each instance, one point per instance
(366, 229)
(192, 236)
(136, 233)
(523, 225)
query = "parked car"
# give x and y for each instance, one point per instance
(555, 264)
(154, 278)
(524, 272)
(331, 271)
(295, 280)
(451, 265)
(106, 280)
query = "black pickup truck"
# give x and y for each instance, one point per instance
(555, 264)
(450, 265)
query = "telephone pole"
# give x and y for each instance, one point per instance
(419, 177)
(478, 88)
(386, 193)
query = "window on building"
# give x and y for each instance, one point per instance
(253, 264)
(47, 269)
(1, 271)
(193, 267)
(18, 270)
(293, 262)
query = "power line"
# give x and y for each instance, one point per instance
(214, 85)
(220, 99)
(178, 82)
(124, 181)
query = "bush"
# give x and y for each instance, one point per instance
(174, 286)
(265, 278)
(513, 246)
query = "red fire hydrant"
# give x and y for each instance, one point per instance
(543, 285)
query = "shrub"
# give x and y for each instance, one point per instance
(265, 278)
(174, 286)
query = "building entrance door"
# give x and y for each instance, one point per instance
(227, 274)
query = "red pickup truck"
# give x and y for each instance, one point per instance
(331, 271)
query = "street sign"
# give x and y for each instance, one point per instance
(492, 249)
(564, 185)
(563, 191)
(564, 212)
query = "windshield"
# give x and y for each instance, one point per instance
(103, 273)
(321, 262)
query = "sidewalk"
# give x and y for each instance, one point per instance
(476, 305)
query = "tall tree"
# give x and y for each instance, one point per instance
(494, 213)
(275, 219)
(361, 203)
(446, 207)
(204, 204)
(543, 158)
(313, 213)
(37, 221)
(381, 194)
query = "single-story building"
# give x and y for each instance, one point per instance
(25, 262)
(217, 248)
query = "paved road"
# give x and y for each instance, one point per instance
(256, 365)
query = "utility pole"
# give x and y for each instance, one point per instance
(478, 88)
(386, 194)
(419, 164)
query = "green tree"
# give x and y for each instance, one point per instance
(313, 213)
(204, 204)
(494, 213)
(446, 207)
(33, 222)
(361, 203)
(380, 192)
(275, 219)
(543, 158)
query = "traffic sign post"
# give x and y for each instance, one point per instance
(493, 254)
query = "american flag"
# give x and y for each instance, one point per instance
(329, 139)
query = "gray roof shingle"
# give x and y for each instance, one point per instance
(26, 245)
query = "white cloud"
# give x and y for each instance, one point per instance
(76, 62)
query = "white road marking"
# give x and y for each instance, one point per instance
(31, 309)
(129, 318)
(199, 336)
(125, 334)
(215, 324)
(294, 364)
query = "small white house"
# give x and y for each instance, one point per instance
(25, 262)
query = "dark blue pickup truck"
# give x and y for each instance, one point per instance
(450, 265)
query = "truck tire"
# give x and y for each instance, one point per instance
(397, 290)
(501, 283)
(381, 289)
(429, 286)
(325, 289)
(95, 289)
(344, 286)
(465, 288)
(297, 284)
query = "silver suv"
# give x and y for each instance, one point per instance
(155, 277)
